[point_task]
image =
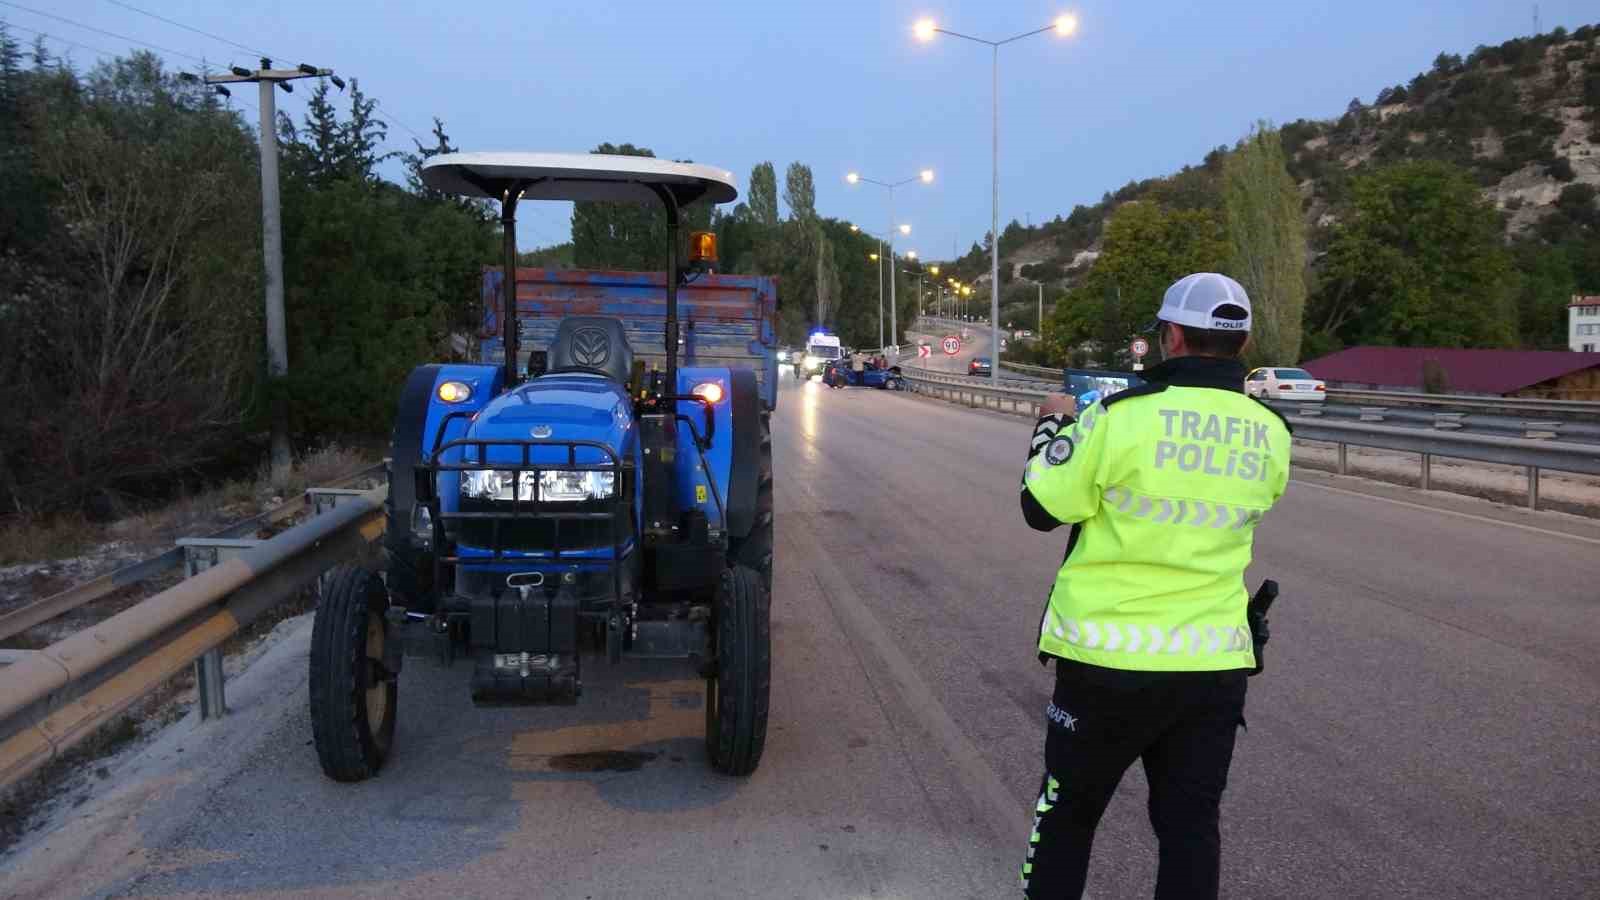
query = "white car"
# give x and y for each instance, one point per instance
(1284, 384)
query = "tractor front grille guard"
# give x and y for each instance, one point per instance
(616, 509)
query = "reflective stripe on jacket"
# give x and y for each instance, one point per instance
(1165, 485)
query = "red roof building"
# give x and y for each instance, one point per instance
(1501, 373)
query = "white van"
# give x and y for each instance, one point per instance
(821, 349)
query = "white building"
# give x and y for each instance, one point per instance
(1583, 324)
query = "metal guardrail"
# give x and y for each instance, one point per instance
(1511, 405)
(1047, 373)
(1577, 409)
(1532, 454)
(52, 698)
(45, 609)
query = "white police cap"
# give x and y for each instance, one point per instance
(1196, 301)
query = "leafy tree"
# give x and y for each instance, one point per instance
(325, 149)
(1146, 249)
(376, 277)
(1266, 231)
(800, 193)
(132, 325)
(630, 236)
(1419, 263)
(763, 196)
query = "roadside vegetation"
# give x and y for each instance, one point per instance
(131, 286)
(1458, 209)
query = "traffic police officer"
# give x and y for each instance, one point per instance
(1163, 485)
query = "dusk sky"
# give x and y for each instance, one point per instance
(1140, 90)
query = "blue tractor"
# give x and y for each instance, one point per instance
(587, 498)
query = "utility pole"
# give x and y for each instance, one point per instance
(1041, 309)
(272, 239)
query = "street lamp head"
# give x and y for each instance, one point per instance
(924, 29)
(905, 229)
(852, 178)
(927, 176)
(1066, 25)
(933, 270)
(911, 254)
(872, 256)
(854, 228)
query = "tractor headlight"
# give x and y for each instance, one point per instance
(783, 356)
(455, 392)
(563, 486)
(554, 486)
(812, 361)
(709, 391)
(495, 484)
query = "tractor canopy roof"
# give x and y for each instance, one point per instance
(577, 177)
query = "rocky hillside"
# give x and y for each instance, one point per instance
(1522, 117)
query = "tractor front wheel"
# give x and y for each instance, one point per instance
(737, 691)
(353, 697)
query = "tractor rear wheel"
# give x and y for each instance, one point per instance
(737, 692)
(353, 697)
(755, 549)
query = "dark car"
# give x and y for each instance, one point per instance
(980, 365)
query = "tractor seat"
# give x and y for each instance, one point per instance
(592, 344)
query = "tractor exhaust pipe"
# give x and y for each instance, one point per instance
(669, 202)
(508, 287)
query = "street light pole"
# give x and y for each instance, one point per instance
(880, 292)
(925, 31)
(926, 177)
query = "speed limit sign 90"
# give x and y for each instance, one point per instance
(952, 345)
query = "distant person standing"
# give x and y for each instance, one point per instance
(1147, 620)
(858, 364)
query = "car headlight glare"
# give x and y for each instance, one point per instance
(555, 486)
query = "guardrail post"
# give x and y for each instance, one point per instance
(1541, 431)
(1344, 458)
(208, 679)
(1533, 488)
(200, 554)
(1427, 471)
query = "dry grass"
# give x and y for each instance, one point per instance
(23, 541)
(75, 771)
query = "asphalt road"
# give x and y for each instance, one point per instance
(1426, 727)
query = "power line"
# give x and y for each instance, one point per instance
(391, 115)
(120, 37)
(61, 40)
(256, 50)
(215, 37)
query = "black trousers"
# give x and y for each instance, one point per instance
(1181, 725)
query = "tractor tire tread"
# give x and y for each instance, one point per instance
(744, 673)
(755, 549)
(347, 745)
